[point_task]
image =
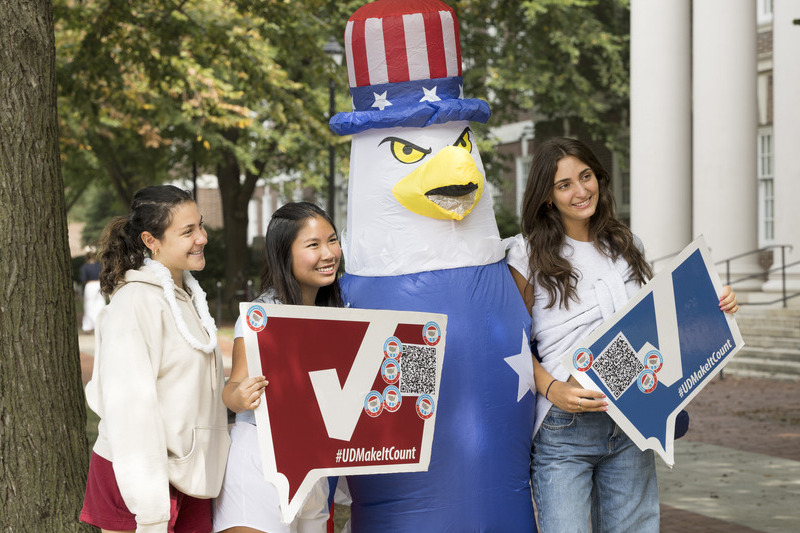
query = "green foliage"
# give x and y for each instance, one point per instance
(239, 88)
(96, 208)
(148, 87)
(507, 222)
(561, 59)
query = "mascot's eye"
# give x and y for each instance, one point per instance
(463, 141)
(404, 151)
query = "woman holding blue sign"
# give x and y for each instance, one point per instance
(300, 268)
(575, 264)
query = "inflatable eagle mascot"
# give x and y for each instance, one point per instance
(421, 236)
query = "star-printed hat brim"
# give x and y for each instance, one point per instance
(417, 116)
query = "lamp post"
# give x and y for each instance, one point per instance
(334, 50)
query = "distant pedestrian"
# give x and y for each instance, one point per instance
(158, 375)
(93, 299)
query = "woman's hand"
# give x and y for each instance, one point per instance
(242, 392)
(727, 302)
(575, 399)
(247, 393)
(241, 395)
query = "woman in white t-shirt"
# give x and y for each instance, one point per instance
(575, 264)
(301, 267)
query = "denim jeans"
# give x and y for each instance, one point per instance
(587, 475)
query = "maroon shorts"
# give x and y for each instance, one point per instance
(104, 507)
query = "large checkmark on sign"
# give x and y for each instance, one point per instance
(341, 407)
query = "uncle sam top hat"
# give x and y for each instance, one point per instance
(404, 68)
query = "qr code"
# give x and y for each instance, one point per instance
(418, 369)
(617, 366)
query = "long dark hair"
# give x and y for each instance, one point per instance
(282, 230)
(544, 230)
(121, 245)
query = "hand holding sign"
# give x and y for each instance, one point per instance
(351, 392)
(656, 353)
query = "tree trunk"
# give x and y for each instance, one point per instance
(235, 195)
(43, 447)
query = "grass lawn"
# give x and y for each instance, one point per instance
(91, 426)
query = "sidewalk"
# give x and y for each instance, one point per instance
(737, 470)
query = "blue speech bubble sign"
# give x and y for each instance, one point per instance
(656, 353)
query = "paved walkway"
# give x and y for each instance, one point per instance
(738, 468)
(736, 471)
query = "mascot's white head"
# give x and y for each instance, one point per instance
(417, 197)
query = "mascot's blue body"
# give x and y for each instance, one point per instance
(478, 476)
(421, 236)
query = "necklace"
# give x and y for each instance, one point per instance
(198, 300)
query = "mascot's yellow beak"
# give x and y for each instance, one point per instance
(446, 187)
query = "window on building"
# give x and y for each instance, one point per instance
(764, 11)
(621, 185)
(766, 194)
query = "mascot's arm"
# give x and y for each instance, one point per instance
(565, 395)
(524, 286)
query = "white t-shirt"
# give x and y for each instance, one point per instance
(603, 287)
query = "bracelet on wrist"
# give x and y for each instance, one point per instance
(548, 388)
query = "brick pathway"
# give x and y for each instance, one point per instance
(679, 521)
(746, 414)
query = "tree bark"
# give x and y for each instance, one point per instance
(235, 194)
(43, 446)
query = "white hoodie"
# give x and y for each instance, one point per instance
(159, 399)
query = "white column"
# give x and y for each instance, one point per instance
(786, 134)
(661, 165)
(725, 130)
(252, 220)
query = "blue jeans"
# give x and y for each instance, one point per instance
(587, 475)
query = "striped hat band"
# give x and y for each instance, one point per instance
(402, 46)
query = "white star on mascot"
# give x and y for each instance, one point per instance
(421, 236)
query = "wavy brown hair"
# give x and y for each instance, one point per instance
(121, 245)
(544, 230)
(282, 230)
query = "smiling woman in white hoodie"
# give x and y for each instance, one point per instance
(158, 375)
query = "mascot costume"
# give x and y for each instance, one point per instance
(421, 236)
